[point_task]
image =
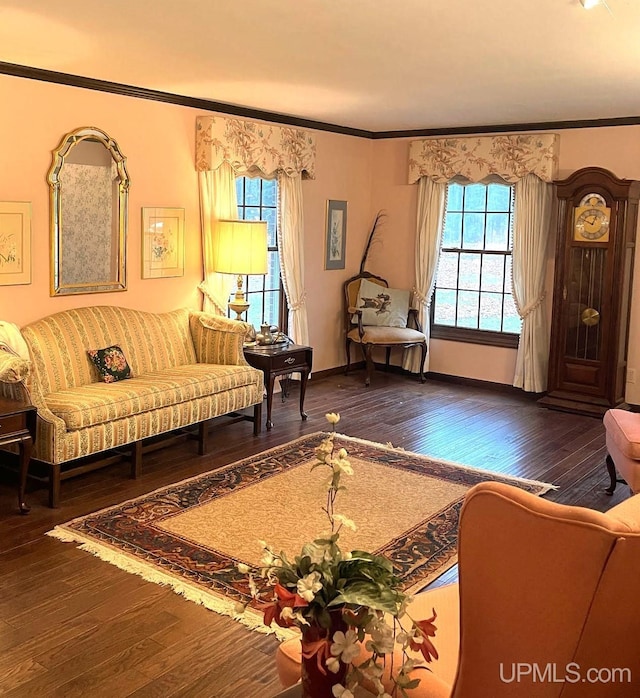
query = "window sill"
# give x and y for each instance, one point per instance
(470, 336)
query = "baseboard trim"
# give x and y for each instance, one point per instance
(433, 375)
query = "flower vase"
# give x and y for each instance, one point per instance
(317, 680)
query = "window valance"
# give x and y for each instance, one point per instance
(250, 146)
(511, 157)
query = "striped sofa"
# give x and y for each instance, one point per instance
(187, 367)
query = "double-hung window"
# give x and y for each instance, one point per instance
(258, 200)
(473, 300)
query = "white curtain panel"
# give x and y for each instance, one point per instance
(431, 206)
(291, 246)
(217, 200)
(533, 199)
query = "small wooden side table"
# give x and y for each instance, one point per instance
(279, 360)
(18, 425)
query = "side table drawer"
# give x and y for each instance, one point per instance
(288, 361)
(13, 423)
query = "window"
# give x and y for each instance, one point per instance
(258, 200)
(473, 300)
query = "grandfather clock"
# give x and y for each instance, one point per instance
(597, 219)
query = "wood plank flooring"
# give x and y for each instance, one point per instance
(71, 625)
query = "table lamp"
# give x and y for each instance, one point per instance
(240, 247)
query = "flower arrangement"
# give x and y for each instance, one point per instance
(348, 605)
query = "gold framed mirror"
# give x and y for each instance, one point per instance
(89, 188)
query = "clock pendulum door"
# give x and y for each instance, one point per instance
(597, 217)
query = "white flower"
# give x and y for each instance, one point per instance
(339, 691)
(403, 639)
(341, 464)
(333, 665)
(332, 417)
(242, 568)
(345, 645)
(381, 641)
(286, 613)
(345, 521)
(268, 559)
(309, 585)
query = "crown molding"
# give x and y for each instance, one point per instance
(30, 73)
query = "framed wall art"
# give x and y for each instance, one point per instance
(336, 234)
(162, 242)
(15, 243)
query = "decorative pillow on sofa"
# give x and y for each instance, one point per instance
(388, 307)
(111, 363)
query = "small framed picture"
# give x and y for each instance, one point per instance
(15, 243)
(336, 234)
(162, 242)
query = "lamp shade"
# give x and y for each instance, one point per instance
(240, 247)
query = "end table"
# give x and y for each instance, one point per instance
(18, 425)
(279, 360)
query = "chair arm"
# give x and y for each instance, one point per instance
(358, 313)
(627, 512)
(413, 314)
(218, 340)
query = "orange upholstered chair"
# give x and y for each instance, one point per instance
(623, 446)
(546, 592)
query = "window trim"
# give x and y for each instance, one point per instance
(473, 335)
(470, 335)
(283, 307)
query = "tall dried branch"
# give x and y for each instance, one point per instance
(379, 216)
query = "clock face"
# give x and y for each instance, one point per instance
(593, 200)
(591, 221)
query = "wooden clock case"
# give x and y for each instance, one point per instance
(592, 296)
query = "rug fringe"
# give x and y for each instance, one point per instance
(250, 618)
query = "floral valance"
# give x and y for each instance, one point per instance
(250, 146)
(511, 157)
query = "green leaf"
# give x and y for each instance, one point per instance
(363, 593)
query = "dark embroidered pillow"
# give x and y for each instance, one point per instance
(111, 363)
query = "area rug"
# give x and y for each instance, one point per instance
(192, 535)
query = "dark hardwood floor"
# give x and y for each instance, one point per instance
(71, 625)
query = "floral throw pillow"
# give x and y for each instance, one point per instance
(388, 307)
(111, 363)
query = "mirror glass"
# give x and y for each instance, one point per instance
(89, 189)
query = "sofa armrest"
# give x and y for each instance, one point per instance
(13, 368)
(218, 340)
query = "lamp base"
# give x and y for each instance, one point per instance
(239, 304)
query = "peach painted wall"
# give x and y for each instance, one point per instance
(616, 148)
(159, 142)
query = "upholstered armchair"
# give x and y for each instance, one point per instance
(547, 599)
(623, 448)
(376, 316)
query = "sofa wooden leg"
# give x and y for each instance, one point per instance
(203, 433)
(257, 419)
(136, 459)
(54, 485)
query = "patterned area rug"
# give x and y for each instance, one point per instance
(192, 535)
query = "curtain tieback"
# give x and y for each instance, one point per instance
(528, 309)
(299, 303)
(420, 297)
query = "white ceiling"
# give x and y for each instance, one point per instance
(377, 65)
